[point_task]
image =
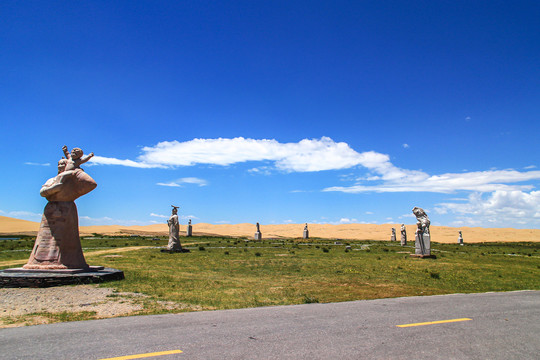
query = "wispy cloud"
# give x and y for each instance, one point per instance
(101, 160)
(186, 180)
(530, 167)
(37, 164)
(22, 214)
(159, 216)
(400, 180)
(405, 146)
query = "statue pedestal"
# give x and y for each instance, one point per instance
(403, 240)
(306, 234)
(58, 245)
(36, 278)
(257, 236)
(423, 246)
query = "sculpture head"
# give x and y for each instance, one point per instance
(175, 210)
(76, 153)
(62, 165)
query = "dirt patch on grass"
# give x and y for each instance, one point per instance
(17, 305)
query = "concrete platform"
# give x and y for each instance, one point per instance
(19, 277)
(424, 256)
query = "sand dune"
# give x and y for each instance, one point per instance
(443, 234)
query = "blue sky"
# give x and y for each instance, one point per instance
(276, 111)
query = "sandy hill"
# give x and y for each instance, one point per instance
(444, 234)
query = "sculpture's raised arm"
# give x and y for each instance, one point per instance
(86, 158)
(66, 152)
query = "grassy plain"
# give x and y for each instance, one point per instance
(227, 273)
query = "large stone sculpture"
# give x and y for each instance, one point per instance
(403, 235)
(393, 236)
(422, 237)
(57, 257)
(58, 245)
(460, 238)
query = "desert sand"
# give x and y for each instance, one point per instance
(442, 234)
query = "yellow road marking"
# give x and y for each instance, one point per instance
(147, 355)
(434, 322)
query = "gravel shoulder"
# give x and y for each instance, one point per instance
(28, 306)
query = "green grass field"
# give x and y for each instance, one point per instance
(226, 273)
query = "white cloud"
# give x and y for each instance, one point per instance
(405, 146)
(369, 213)
(171, 184)
(262, 170)
(186, 180)
(399, 180)
(500, 208)
(159, 216)
(304, 156)
(347, 221)
(406, 216)
(530, 167)
(22, 214)
(37, 164)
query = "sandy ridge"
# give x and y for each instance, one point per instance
(443, 234)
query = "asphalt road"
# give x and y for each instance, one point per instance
(502, 326)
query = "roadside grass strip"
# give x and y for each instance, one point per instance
(433, 322)
(147, 355)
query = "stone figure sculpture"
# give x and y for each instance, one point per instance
(460, 239)
(306, 232)
(422, 218)
(258, 234)
(403, 235)
(58, 245)
(189, 231)
(393, 237)
(422, 237)
(174, 231)
(75, 158)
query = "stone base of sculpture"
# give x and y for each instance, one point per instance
(423, 246)
(58, 245)
(257, 236)
(182, 250)
(38, 278)
(189, 231)
(403, 240)
(174, 246)
(306, 234)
